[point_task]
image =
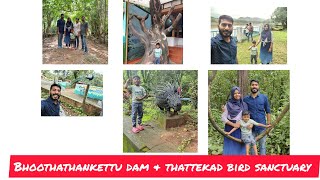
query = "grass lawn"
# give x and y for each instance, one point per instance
(279, 49)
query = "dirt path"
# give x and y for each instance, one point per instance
(52, 55)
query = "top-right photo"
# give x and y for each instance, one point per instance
(248, 35)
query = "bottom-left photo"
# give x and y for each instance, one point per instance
(71, 93)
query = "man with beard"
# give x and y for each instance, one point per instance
(259, 108)
(51, 106)
(223, 45)
(60, 29)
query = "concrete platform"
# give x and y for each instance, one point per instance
(148, 140)
(172, 121)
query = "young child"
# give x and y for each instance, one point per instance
(157, 54)
(253, 52)
(72, 38)
(138, 93)
(246, 131)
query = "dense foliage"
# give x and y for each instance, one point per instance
(275, 84)
(95, 11)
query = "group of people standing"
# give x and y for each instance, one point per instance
(72, 33)
(248, 30)
(246, 118)
(224, 46)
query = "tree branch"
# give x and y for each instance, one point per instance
(142, 23)
(284, 111)
(156, 3)
(174, 24)
(141, 36)
(165, 17)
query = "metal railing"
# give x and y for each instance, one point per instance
(239, 32)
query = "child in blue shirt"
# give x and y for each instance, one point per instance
(157, 54)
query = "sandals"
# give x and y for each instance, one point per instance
(141, 128)
(135, 130)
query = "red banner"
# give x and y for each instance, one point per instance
(163, 166)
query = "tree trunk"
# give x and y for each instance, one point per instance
(156, 34)
(85, 97)
(284, 24)
(243, 82)
(75, 75)
(49, 21)
(44, 30)
(212, 75)
(128, 73)
(104, 22)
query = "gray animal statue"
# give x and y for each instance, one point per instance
(167, 97)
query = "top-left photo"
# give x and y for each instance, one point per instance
(75, 31)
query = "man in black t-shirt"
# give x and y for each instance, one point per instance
(60, 29)
(84, 32)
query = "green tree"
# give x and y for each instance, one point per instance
(280, 16)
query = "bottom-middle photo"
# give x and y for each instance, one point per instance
(160, 111)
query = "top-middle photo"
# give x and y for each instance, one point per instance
(152, 32)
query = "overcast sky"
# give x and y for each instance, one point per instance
(244, 11)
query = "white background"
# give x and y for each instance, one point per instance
(23, 131)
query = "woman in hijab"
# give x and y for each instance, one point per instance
(69, 28)
(231, 115)
(266, 40)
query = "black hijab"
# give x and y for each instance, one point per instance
(234, 106)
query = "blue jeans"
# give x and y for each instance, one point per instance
(60, 36)
(250, 34)
(76, 42)
(157, 60)
(84, 43)
(136, 110)
(262, 142)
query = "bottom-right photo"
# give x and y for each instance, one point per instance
(249, 112)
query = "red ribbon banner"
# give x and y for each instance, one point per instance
(163, 166)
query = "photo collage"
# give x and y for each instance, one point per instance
(163, 97)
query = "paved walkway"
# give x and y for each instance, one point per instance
(149, 139)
